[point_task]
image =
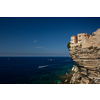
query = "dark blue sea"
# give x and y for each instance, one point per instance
(33, 70)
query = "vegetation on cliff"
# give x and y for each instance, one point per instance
(91, 47)
(68, 45)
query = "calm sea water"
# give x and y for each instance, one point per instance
(33, 70)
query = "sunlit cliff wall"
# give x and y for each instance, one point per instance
(87, 57)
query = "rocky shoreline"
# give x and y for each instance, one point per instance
(77, 76)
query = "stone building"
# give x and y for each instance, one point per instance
(81, 35)
(86, 40)
(73, 39)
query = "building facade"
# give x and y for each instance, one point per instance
(81, 35)
(73, 39)
(86, 40)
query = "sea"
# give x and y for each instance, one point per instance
(34, 70)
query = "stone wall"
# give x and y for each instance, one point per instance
(93, 40)
(86, 42)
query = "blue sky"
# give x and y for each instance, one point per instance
(42, 36)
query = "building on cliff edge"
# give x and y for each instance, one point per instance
(86, 40)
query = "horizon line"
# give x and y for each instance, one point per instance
(34, 56)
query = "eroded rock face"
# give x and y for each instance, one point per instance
(76, 75)
(88, 65)
(97, 79)
(75, 69)
(89, 58)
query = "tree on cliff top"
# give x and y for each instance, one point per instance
(68, 45)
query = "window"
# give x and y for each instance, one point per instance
(79, 35)
(79, 41)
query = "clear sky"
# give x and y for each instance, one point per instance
(41, 36)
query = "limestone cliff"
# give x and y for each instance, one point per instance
(87, 62)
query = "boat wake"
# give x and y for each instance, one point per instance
(43, 66)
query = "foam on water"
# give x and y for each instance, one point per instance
(43, 66)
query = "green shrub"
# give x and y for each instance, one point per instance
(68, 45)
(91, 47)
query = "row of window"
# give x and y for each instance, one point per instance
(83, 35)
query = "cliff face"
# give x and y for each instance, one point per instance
(86, 56)
(88, 64)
